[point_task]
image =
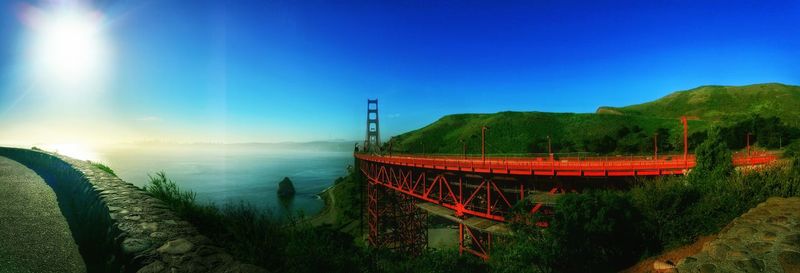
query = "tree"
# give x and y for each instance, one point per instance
(713, 157)
(598, 228)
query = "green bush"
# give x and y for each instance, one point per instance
(598, 228)
(529, 249)
(792, 150)
(595, 231)
(165, 189)
(102, 167)
(431, 261)
(604, 231)
(348, 197)
(714, 159)
(664, 204)
(256, 237)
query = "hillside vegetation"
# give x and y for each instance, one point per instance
(722, 103)
(623, 130)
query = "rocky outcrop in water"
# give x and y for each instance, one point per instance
(286, 188)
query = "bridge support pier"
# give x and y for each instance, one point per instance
(395, 222)
(474, 241)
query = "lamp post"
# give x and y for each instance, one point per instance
(655, 145)
(464, 147)
(549, 148)
(685, 141)
(483, 143)
(748, 144)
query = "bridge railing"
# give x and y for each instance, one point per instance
(597, 163)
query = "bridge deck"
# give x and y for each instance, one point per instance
(479, 193)
(478, 223)
(539, 166)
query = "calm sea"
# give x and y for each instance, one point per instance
(225, 174)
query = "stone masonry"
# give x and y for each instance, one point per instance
(119, 227)
(765, 239)
(154, 236)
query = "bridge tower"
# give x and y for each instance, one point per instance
(372, 144)
(395, 222)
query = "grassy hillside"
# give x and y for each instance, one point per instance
(722, 103)
(527, 132)
(623, 130)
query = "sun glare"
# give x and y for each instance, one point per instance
(74, 150)
(67, 46)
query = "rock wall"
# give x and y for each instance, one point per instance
(120, 228)
(765, 239)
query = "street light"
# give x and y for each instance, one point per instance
(655, 145)
(483, 143)
(464, 148)
(748, 144)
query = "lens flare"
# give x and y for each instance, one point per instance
(67, 49)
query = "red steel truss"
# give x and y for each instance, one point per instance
(471, 188)
(474, 241)
(465, 195)
(394, 221)
(565, 166)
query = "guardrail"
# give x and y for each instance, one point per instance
(566, 166)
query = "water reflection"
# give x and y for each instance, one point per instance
(228, 174)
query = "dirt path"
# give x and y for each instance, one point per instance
(34, 236)
(673, 255)
(328, 214)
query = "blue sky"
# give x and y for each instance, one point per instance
(251, 71)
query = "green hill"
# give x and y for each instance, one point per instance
(722, 103)
(527, 132)
(623, 130)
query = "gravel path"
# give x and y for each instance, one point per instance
(34, 236)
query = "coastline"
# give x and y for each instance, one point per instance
(326, 215)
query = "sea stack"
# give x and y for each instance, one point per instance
(285, 188)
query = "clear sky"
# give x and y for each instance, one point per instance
(265, 71)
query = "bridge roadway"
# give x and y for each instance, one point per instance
(478, 192)
(563, 166)
(34, 235)
(490, 187)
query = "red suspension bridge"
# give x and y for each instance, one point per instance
(479, 192)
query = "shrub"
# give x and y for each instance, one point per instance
(598, 228)
(528, 249)
(714, 159)
(165, 189)
(664, 204)
(255, 236)
(348, 197)
(792, 150)
(102, 167)
(430, 261)
(596, 231)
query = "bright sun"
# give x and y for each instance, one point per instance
(67, 46)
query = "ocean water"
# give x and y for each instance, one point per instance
(229, 174)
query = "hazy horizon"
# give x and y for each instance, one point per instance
(90, 72)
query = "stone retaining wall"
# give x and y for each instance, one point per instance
(765, 239)
(120, 228)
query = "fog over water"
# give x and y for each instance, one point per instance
(225, 174)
